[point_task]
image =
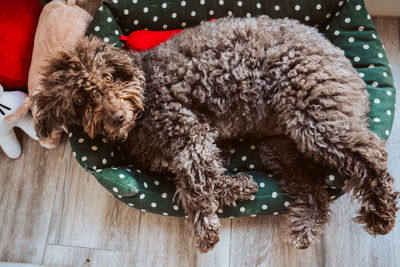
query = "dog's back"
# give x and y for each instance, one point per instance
(235, 72)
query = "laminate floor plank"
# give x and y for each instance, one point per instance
(27, 191)
(65, 256)
(260, 241)
(86, 215)
(166, 241)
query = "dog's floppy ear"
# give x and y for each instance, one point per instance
(49, 115)
(52, 102)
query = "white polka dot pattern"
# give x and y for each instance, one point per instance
(369, 58)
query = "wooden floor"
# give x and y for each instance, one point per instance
(53, 213)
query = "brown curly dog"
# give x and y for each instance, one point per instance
(226, 79)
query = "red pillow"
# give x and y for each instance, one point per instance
(144, 39)
(18, 20)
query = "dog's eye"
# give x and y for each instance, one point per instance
(108, 78)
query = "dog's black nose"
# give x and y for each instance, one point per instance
(117, 119)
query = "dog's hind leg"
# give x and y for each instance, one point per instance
(328, 128)
(303, 180)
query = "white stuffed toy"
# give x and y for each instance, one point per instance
(9, 103)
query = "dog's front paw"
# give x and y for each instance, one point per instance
(236, 188)
(301, 240)
(305, 223)
(206, 232)
(301, 235)
(249, 186)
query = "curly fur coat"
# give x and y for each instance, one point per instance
(225, 79)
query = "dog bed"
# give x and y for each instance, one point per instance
(346, 24)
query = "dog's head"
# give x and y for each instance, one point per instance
(95, 85)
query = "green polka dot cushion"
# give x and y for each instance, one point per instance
(154, 192)
(345, 23)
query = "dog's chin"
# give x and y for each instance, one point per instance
(118, 135)
(121, 138)
(115, 137)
